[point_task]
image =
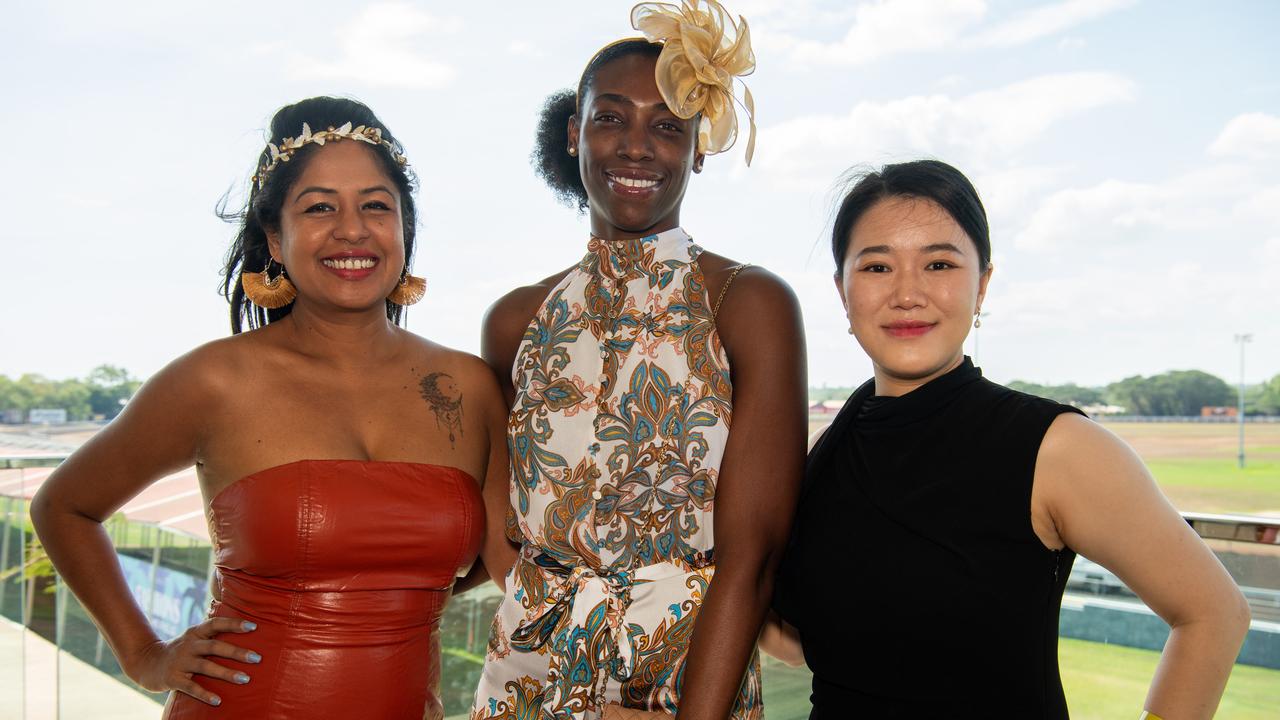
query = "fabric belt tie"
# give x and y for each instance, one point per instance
(580, 601)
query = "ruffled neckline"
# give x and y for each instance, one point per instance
(874, 412)
(619, 259)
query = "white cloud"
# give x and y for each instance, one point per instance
(382, 46)
(1038, 22)
(977, 130)
(888, 27)
(1259, 206)
(1231, 207)
(1271, 251)
(882, 28)
(1007, 189)
(1170, 265)
(1107, 213)
(525, 48)
(1018, 113)
(1251, 135)
(154, 22)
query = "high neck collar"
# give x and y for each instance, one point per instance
(618, 258)
(876, 412)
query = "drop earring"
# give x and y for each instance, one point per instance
(977, 319)
(409, 290)
(265, 291)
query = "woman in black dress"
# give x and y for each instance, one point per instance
(941, 512)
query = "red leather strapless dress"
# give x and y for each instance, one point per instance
(346, 567)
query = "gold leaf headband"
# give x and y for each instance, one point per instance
(703, 51)
(289, 146)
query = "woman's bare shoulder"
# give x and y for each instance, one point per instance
(215, 366)
(748, 279)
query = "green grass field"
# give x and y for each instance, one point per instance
(1107, 681)
(1196, 466)
(1214, 485)
(1101, 682)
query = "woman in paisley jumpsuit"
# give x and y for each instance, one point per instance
(657, 432)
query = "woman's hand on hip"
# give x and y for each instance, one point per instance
(173, 664)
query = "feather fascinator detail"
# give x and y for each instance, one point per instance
(703, 52)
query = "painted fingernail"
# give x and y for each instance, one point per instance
(246, 625)
(241, 678)
(253, 657)
(215, 700)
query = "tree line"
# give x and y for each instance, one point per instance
(100, 394)
(1178, 392)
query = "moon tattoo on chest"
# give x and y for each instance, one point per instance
(445, 400)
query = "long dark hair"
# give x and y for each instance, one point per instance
(550, 157)
(249, 251)
(928, 179)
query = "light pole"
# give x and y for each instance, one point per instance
(1242, 338)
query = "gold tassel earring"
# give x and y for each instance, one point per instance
(409, 290)
(266, 291)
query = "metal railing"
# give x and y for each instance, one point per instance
(1237, 528)
(30, 461)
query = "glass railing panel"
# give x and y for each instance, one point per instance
(786, 689)
(168, 574)
(27, 659)
(12, 597)
(464, 635)
(1111, 641)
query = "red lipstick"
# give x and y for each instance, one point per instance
(909, 328)
(351, 264)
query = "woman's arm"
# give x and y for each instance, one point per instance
(1092, 493)
(158, 433)
(778, 637)
(500, 336)
(497, 553)
(483, 389)
(755, 497)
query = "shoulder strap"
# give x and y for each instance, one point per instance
(733, 273)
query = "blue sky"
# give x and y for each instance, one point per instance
(1127, 153)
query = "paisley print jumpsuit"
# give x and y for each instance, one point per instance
(622, 410)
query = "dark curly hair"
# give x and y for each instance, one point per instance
(550, 157)
(249, 251)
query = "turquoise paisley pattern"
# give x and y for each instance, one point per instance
(622, 409)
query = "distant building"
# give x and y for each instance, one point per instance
(12, 417)
(1097, 410)
(47, 416)
(826, 407)
(1211, 411)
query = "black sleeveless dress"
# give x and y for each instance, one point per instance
(913, 573)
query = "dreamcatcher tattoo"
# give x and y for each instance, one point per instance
(436, 388)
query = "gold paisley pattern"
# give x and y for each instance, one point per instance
(623, 406)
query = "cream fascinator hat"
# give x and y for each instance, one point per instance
(703, 51)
